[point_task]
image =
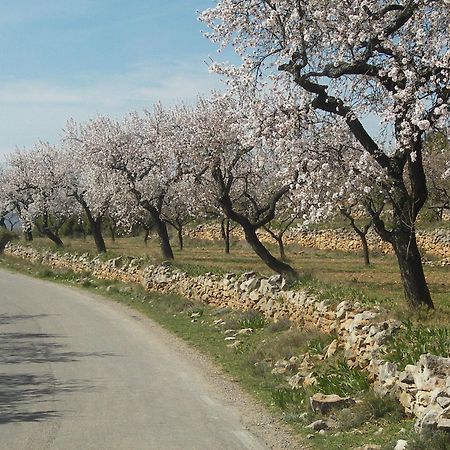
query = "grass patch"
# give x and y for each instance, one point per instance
(371, 407)
(410, 341)
(341, 379)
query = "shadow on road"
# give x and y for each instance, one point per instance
(7, 319)
(27, 394)
(21, 395)
(18, 348)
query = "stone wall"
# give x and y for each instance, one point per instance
(423, 389)
(435, 242)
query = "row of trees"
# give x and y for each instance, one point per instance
(290, 138)
(249, 162)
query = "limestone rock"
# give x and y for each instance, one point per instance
(324, 403)
(318, 425)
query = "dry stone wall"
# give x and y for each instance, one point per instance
(436, 242)
(423, 389)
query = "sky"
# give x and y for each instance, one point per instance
(79, 58)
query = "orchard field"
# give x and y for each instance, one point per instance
(338, 275)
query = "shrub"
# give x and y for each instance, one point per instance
(436, 440)
(372, 407)
(5, 237)
(280, 325)
(409, 342)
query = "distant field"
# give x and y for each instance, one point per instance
(339, 274)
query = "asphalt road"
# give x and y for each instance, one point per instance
(79, 372)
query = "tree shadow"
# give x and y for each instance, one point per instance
(27, 396)
(7, 319)
(19, 348)
(21, 395)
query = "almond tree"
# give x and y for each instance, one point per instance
(342, 179)
(88, 183)
(37, 192)
(355, 59)
(139, 151)
(236, 167)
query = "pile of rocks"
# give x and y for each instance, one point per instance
(360, 332)
(423, 389)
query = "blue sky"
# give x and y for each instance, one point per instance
(78, 58)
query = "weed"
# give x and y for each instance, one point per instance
(280, 325)
(436, 440)
(341, 379)
(284, 397)
(253, 319)
(317, 345)
(45, 273)
(410, 341)
(371, 407)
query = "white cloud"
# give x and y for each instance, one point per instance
(33, 110)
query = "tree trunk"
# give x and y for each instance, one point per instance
(180, 236)
(96, 226)
(278, 266)
(161, 229)
(112, 230)
(225, 229)
(53, 237)
(281, 248)
(2, 223)
(411, 269)
(28, 235)
(365, 248)
(146, 236)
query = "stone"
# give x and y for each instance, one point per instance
(331, 349)
(406, 400)
(318, 425)
(427, 422)
(401, 445)
(245, 331)
(370, 447)
(435, 365)
(254, 296)
(443, 402)
(324, 403)
(234, 344)
(443, 424)
(250, 285)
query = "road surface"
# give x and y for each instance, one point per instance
(80, 372)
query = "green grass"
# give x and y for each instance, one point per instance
(410, 341)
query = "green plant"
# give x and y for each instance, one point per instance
(371, 407)
(341, 379)
(410, 341)
(247, 319)
(284, 397)
(318, 344)
(436, 440)
(5, 237)
(281, 325)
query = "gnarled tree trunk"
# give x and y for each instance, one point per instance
(411, 268)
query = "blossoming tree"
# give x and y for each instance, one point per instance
(356, 60)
